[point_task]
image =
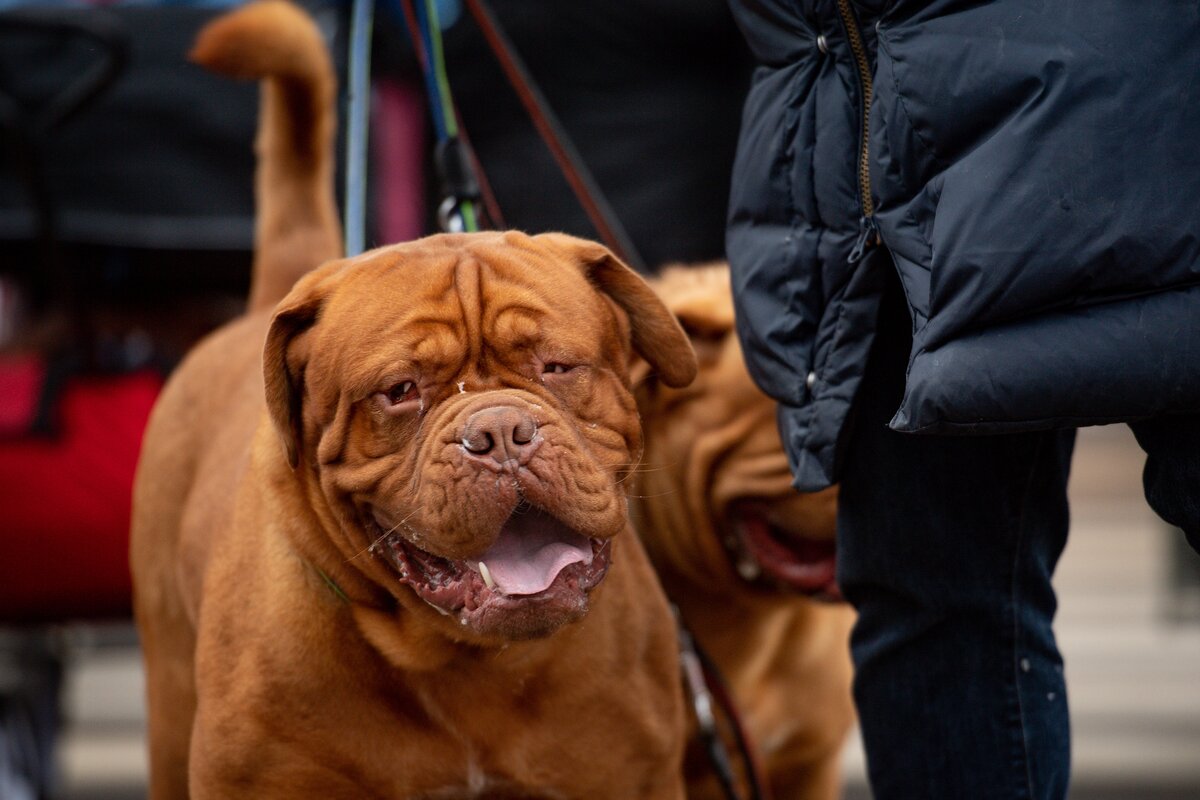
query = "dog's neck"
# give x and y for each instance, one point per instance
(411, 642)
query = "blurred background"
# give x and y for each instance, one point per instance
(126, 218)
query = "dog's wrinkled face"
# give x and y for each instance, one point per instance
(465, 405)
(713, 451)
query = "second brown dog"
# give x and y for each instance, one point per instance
(742, 554)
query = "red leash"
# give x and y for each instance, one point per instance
(608, 226)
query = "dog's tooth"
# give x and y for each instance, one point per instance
(487, 575)
(748, 569)
(438, 609)
(462, 387)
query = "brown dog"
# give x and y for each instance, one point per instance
(738, 550)
(386, 555)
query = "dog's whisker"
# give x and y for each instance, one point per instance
(640, 467)
(642, 470)
(634, 469)
(652, 496)
(384, 535)
(626, 476)
(643, 464)
(407, 517)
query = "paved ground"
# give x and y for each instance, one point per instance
(1133, 671)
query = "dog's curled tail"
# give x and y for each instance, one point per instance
(297, 225)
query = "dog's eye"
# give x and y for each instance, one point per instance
(402, 393)
(555, 369)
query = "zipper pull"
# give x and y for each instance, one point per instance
(868, 237)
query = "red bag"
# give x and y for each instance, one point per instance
(65, 499)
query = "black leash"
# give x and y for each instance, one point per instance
(708, 692)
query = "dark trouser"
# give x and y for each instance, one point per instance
(946, 548)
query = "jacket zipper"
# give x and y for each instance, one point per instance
(868, 234)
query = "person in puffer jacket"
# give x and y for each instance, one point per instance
(957, 231)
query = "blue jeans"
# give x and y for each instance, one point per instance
(946, 549)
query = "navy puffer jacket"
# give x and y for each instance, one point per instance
(1030, 169)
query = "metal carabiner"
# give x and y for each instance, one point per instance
(449, 216)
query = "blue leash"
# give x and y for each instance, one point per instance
(457, 211)
(359, 102)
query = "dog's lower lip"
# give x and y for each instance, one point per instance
(763, 551)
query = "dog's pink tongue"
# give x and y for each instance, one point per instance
(531, 550)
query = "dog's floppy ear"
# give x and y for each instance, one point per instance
(706, 328)
(285, 356)
(699, 298)
(704, 316)
(657, 335)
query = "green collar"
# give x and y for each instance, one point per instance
(333, 587)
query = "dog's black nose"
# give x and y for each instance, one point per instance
(502, 433)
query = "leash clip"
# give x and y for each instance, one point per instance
(449, 216)
(459, 183)
(693, 674)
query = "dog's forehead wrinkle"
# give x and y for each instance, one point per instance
(468, 284)
(395, 295)
(516, 323)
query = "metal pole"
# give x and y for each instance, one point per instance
(358, 100)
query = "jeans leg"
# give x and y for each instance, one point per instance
(1172, 475)
(946, 549)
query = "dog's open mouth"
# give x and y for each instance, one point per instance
(764, 552)
(535, 576)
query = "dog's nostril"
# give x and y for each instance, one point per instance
(524, 430)
(478, 442)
